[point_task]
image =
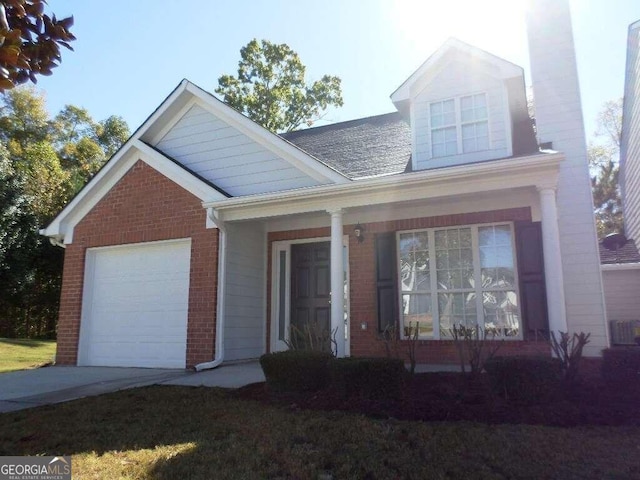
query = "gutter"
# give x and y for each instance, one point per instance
(617, 267)
(526, 163)
(56, 241)
(222, 257)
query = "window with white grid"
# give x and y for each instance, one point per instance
(459, 125)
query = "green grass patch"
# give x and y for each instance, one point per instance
(24, 353)
(182, 432)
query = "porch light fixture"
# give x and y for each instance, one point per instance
(359, 231)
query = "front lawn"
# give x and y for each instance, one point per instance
(182, 432)
(24, 353)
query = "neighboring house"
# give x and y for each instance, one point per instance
(630, 141)
(621, 269)
(207, 238)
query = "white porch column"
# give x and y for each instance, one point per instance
(337, 281)
(552, 260)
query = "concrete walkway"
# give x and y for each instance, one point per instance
(226, 376)
(44, 386)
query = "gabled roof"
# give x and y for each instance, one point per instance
(188, 94)
(504, 68)
(365, 147)
(61, 228)
(140, 146)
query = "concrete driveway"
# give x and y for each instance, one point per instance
(43, 386)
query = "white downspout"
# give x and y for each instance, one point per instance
(222, 262)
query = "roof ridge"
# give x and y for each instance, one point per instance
(338, 124)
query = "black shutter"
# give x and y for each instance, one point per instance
(386, 280)
(533, 295)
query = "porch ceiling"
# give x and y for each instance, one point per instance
(534, 171)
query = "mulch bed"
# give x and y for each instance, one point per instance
(452, 397)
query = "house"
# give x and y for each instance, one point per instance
(621, 267)
(207, 238)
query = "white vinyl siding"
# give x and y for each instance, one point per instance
(621, 289)
(455, 81)
(630, 147)
(229, 158)
(244, 328)
(458, 276)
(559, 120)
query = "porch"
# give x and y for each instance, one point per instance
(260, 235)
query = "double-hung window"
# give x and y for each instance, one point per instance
(459, 125)
(458, 276)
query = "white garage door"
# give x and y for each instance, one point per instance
(135, 306)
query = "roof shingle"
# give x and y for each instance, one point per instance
(366, 147)
(626, 254)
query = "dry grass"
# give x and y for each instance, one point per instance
(181, 432)
(24, 353)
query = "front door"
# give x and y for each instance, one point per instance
(310, 296)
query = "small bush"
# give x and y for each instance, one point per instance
(568, 349)
(475, 346)
(621, 367)
(525, 380)
(379, 378)
(296, 370)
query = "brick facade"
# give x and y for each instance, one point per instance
(144, 206)
(362, 269)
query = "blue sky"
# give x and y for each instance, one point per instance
(130, 54)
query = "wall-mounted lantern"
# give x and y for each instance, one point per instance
(359, 232)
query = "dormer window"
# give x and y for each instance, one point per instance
(459, 125)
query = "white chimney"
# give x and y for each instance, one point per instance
(558, 113)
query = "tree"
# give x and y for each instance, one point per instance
(270, 88)
(43, 162)
(30, 41)
(83, 144)
(603, 161)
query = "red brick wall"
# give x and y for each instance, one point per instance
(144, 206)
(362, 269)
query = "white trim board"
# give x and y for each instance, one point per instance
(183, 97)
(63, 225)
(494, 176)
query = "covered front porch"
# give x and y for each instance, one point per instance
(264, 237)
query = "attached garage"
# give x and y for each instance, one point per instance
(135, 305)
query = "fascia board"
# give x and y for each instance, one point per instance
(53, 229)
(405, 91)
(280, 147)
(539, 170)
(170, 123)
(619, 267)
(177, 174)
(64, 224)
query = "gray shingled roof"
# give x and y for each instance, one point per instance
(372, 146)
(627, 254)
